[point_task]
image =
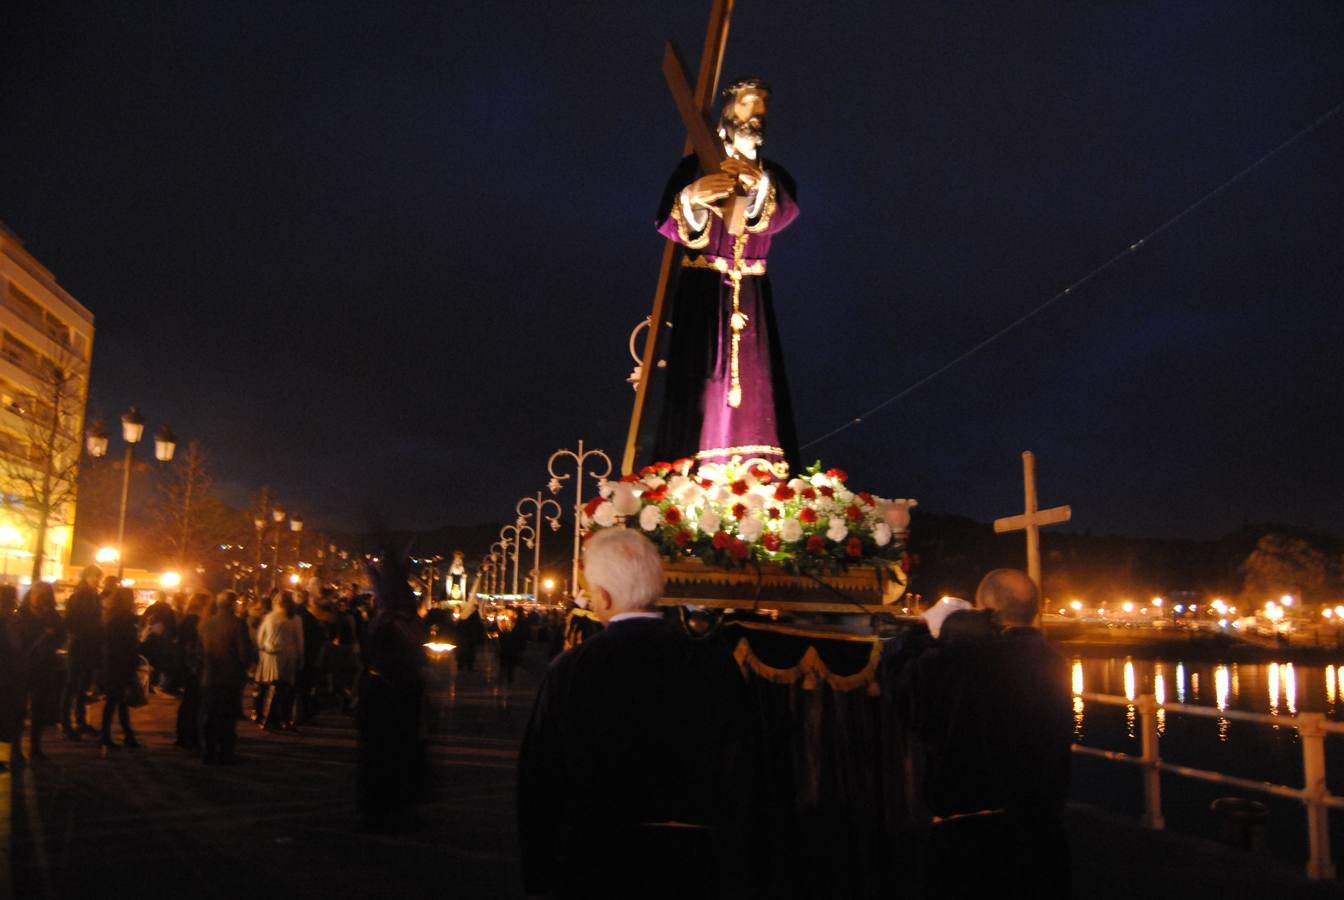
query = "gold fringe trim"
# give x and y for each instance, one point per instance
(810, 668)
(767, 211)
(688, 237)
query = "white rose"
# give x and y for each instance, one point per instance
(843, 496)
(650, 518)
(654, 481)
(837, 530)
(708, 522)
(750, 529)
(821, 479)
(625, 500)
(676, 483)
(790, 530)
(604, 489)
(605, 514)
(797, 484)
(754, 501)
(882, 534)
(721, 494)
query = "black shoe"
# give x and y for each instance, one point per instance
(130, 742)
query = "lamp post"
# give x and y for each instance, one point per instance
(259, 520)
(296, 526)
(132, 430)
(277, 516)
(579, 456)
(515, 533)
(538, 509)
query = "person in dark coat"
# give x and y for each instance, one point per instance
(189, 663)
(225, 653)
(121, 661)
(84, 625)
(314, 647)
(512, 643)
(13, 672)
(42, 632)
(991, 712)
(160, 642)
(630, 778)
(391, 701)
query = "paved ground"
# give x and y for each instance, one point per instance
(156, 823)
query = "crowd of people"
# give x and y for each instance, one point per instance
(296, 651)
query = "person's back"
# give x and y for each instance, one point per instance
(84, 621)
(637, 727)
(224, 648)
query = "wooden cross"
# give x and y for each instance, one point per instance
(1032, 520)
(707, 82)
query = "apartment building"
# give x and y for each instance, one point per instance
(42, 328)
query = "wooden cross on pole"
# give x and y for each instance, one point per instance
(707, 82)
(1032, 520)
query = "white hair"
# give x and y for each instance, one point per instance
(626, 565)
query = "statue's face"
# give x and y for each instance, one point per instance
(743, 120)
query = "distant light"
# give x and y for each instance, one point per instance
(1327, 612)
(170, 581)
(1339, 611)
(439, 646)
(128, 582)
(106, 555)
(1063, 611)
(1286, 599)
(1076, 605)
(1127, 606)
(1180, 608)
(1157, 601)
(1222, 623)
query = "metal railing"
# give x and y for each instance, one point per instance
(1314, 795)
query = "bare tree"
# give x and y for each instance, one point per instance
(187, 495)
(39, 470)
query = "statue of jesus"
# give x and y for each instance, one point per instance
(726, 392)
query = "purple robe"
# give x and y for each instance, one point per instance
(698, 419)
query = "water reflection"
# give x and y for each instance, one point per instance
(1130, 694)
(1273, 689)
(1180, 682)
(1236, 681)
(1220, 688)
(1194, 686)
(1160, 693)
(1330, 688)
(1290, 687)
(1077, 675)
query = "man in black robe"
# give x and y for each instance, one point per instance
(630, 780)
(994, 715)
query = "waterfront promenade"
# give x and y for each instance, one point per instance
(156, 823)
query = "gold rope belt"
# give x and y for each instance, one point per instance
(719, 264)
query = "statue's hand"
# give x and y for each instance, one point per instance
(742, 170)
(708, 189)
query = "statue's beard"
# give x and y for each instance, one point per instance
(752, 130)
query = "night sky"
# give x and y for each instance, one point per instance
(387, 256)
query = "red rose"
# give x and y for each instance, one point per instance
(807, 515)
(672, 515)
(837, 474)
(590, 508)
(683, 465)
(773, 512)
(681, 537)
(706, 483)
(722, 540)
(854, 547)
(655, 494)
(630, 479)
(739, 549)
(763, 474)
(739, 487)
(647, 471)
(662, 468)
(866, 497)
(770, 541)
(808, 493)
(827, 491)
(853, 513)
(816, 544)
(739, 510)
(783, 492)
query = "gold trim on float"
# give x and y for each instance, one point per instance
(684, 230)
(719, 264)
(810, 668)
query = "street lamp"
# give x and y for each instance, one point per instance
(259, 521)
(132, 430)
(278, 516)
(515, 533)
(499, 554)
(296, 526)
(538, 508)
(579, 456)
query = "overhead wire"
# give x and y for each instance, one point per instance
(1068, 291)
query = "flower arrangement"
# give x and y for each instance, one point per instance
(735, 513)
